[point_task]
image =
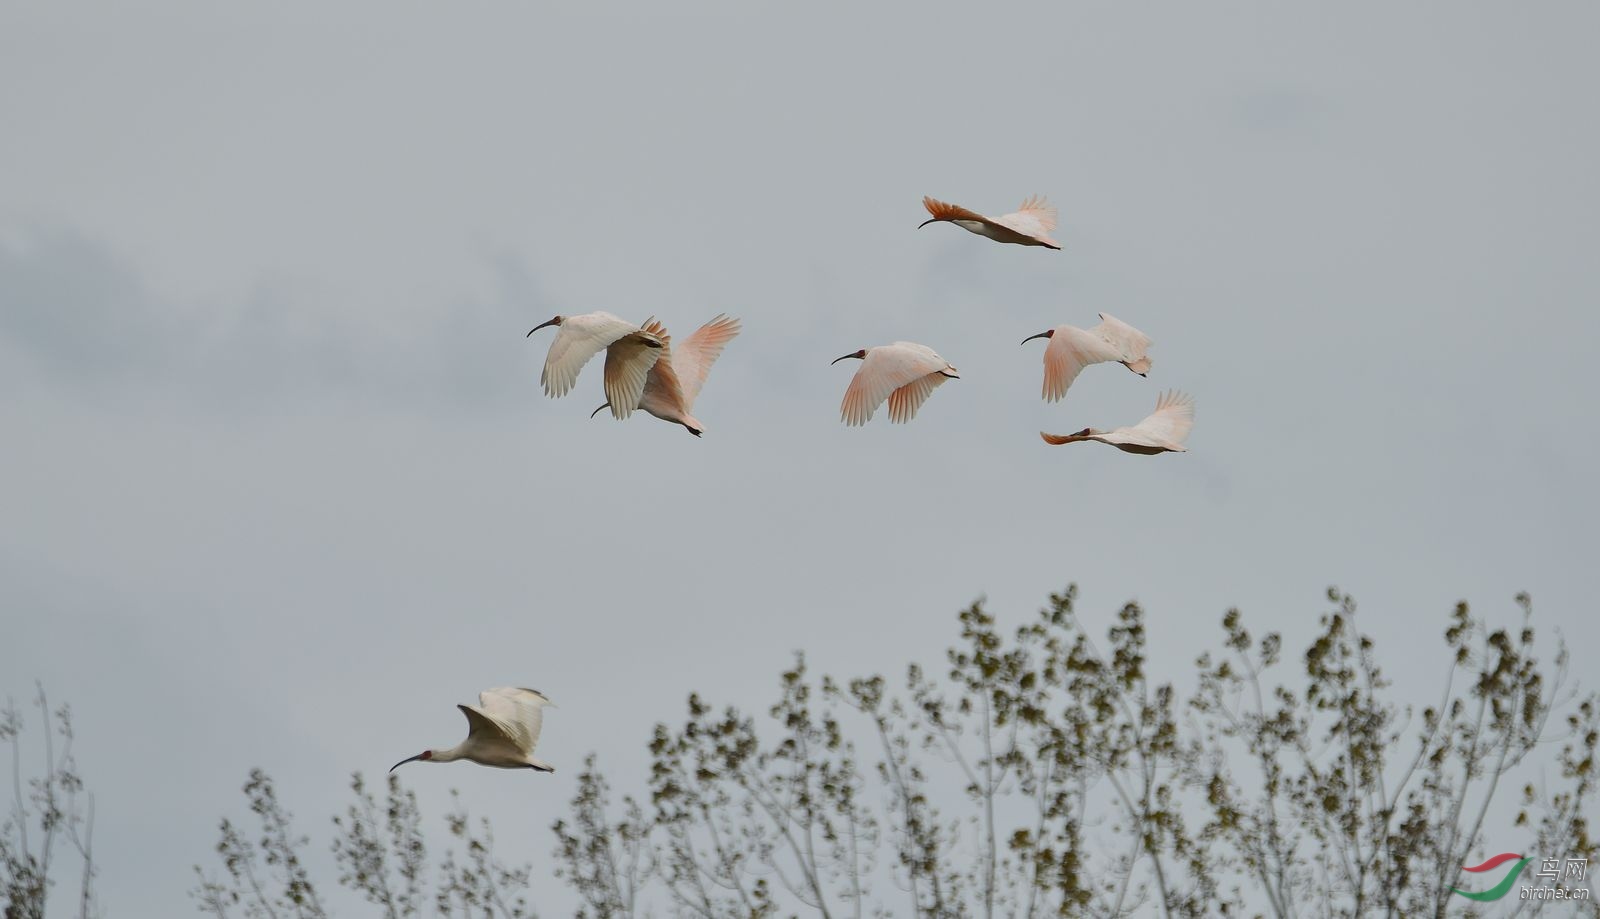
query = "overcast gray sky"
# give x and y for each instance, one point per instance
(279, 486)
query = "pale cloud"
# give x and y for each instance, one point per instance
(82, 320)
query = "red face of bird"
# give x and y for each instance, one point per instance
(555, 321)
(858, 355)
(424, 756)
(1048, 333)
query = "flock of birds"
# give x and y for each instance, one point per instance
(646, 370)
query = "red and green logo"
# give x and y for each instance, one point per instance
(1504, 887)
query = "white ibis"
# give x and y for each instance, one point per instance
(1029, 225)
(1162, 431)
(675, 380)
(630, 353)
(502, 730)
(1071, 349)
(905, 373)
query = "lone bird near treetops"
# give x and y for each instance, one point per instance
(502, 731)
(1163, 431)
(630, 353)
(675, 380)
(904, 373)
(1071, 349)
(1029, 225)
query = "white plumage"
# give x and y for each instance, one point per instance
(675, 380)
(905, 373)
(630, 353)
(1162, 431)
(502, 730)
(1028, 225)
(1071, 349)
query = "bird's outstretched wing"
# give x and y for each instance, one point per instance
(520, 710)
(904, 402)
(1169, 423)
(885, 370)
(1036, 217)
(944, 211)
(1069, 351)
(654, 327)
(692, 360)
(484, 727)
(579, 339)
(1125, 338)
(663, 379)
(628, 363)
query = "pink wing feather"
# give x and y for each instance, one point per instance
(904, 402)
(1172, 419)
(1035, 218)
(885, 370)
(629, 360)
(692, 360)
(1070, 350)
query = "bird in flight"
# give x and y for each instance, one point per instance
(630, 353)
(1163, 431)
(675, 380)
(1071, 349)
(502, 730)
(904, 373)
(1029, 225)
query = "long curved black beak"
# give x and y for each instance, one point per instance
(404, 761)
(928, 221)
(838, 359)
(597, 411)
(555, 321)
(1040, 335)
